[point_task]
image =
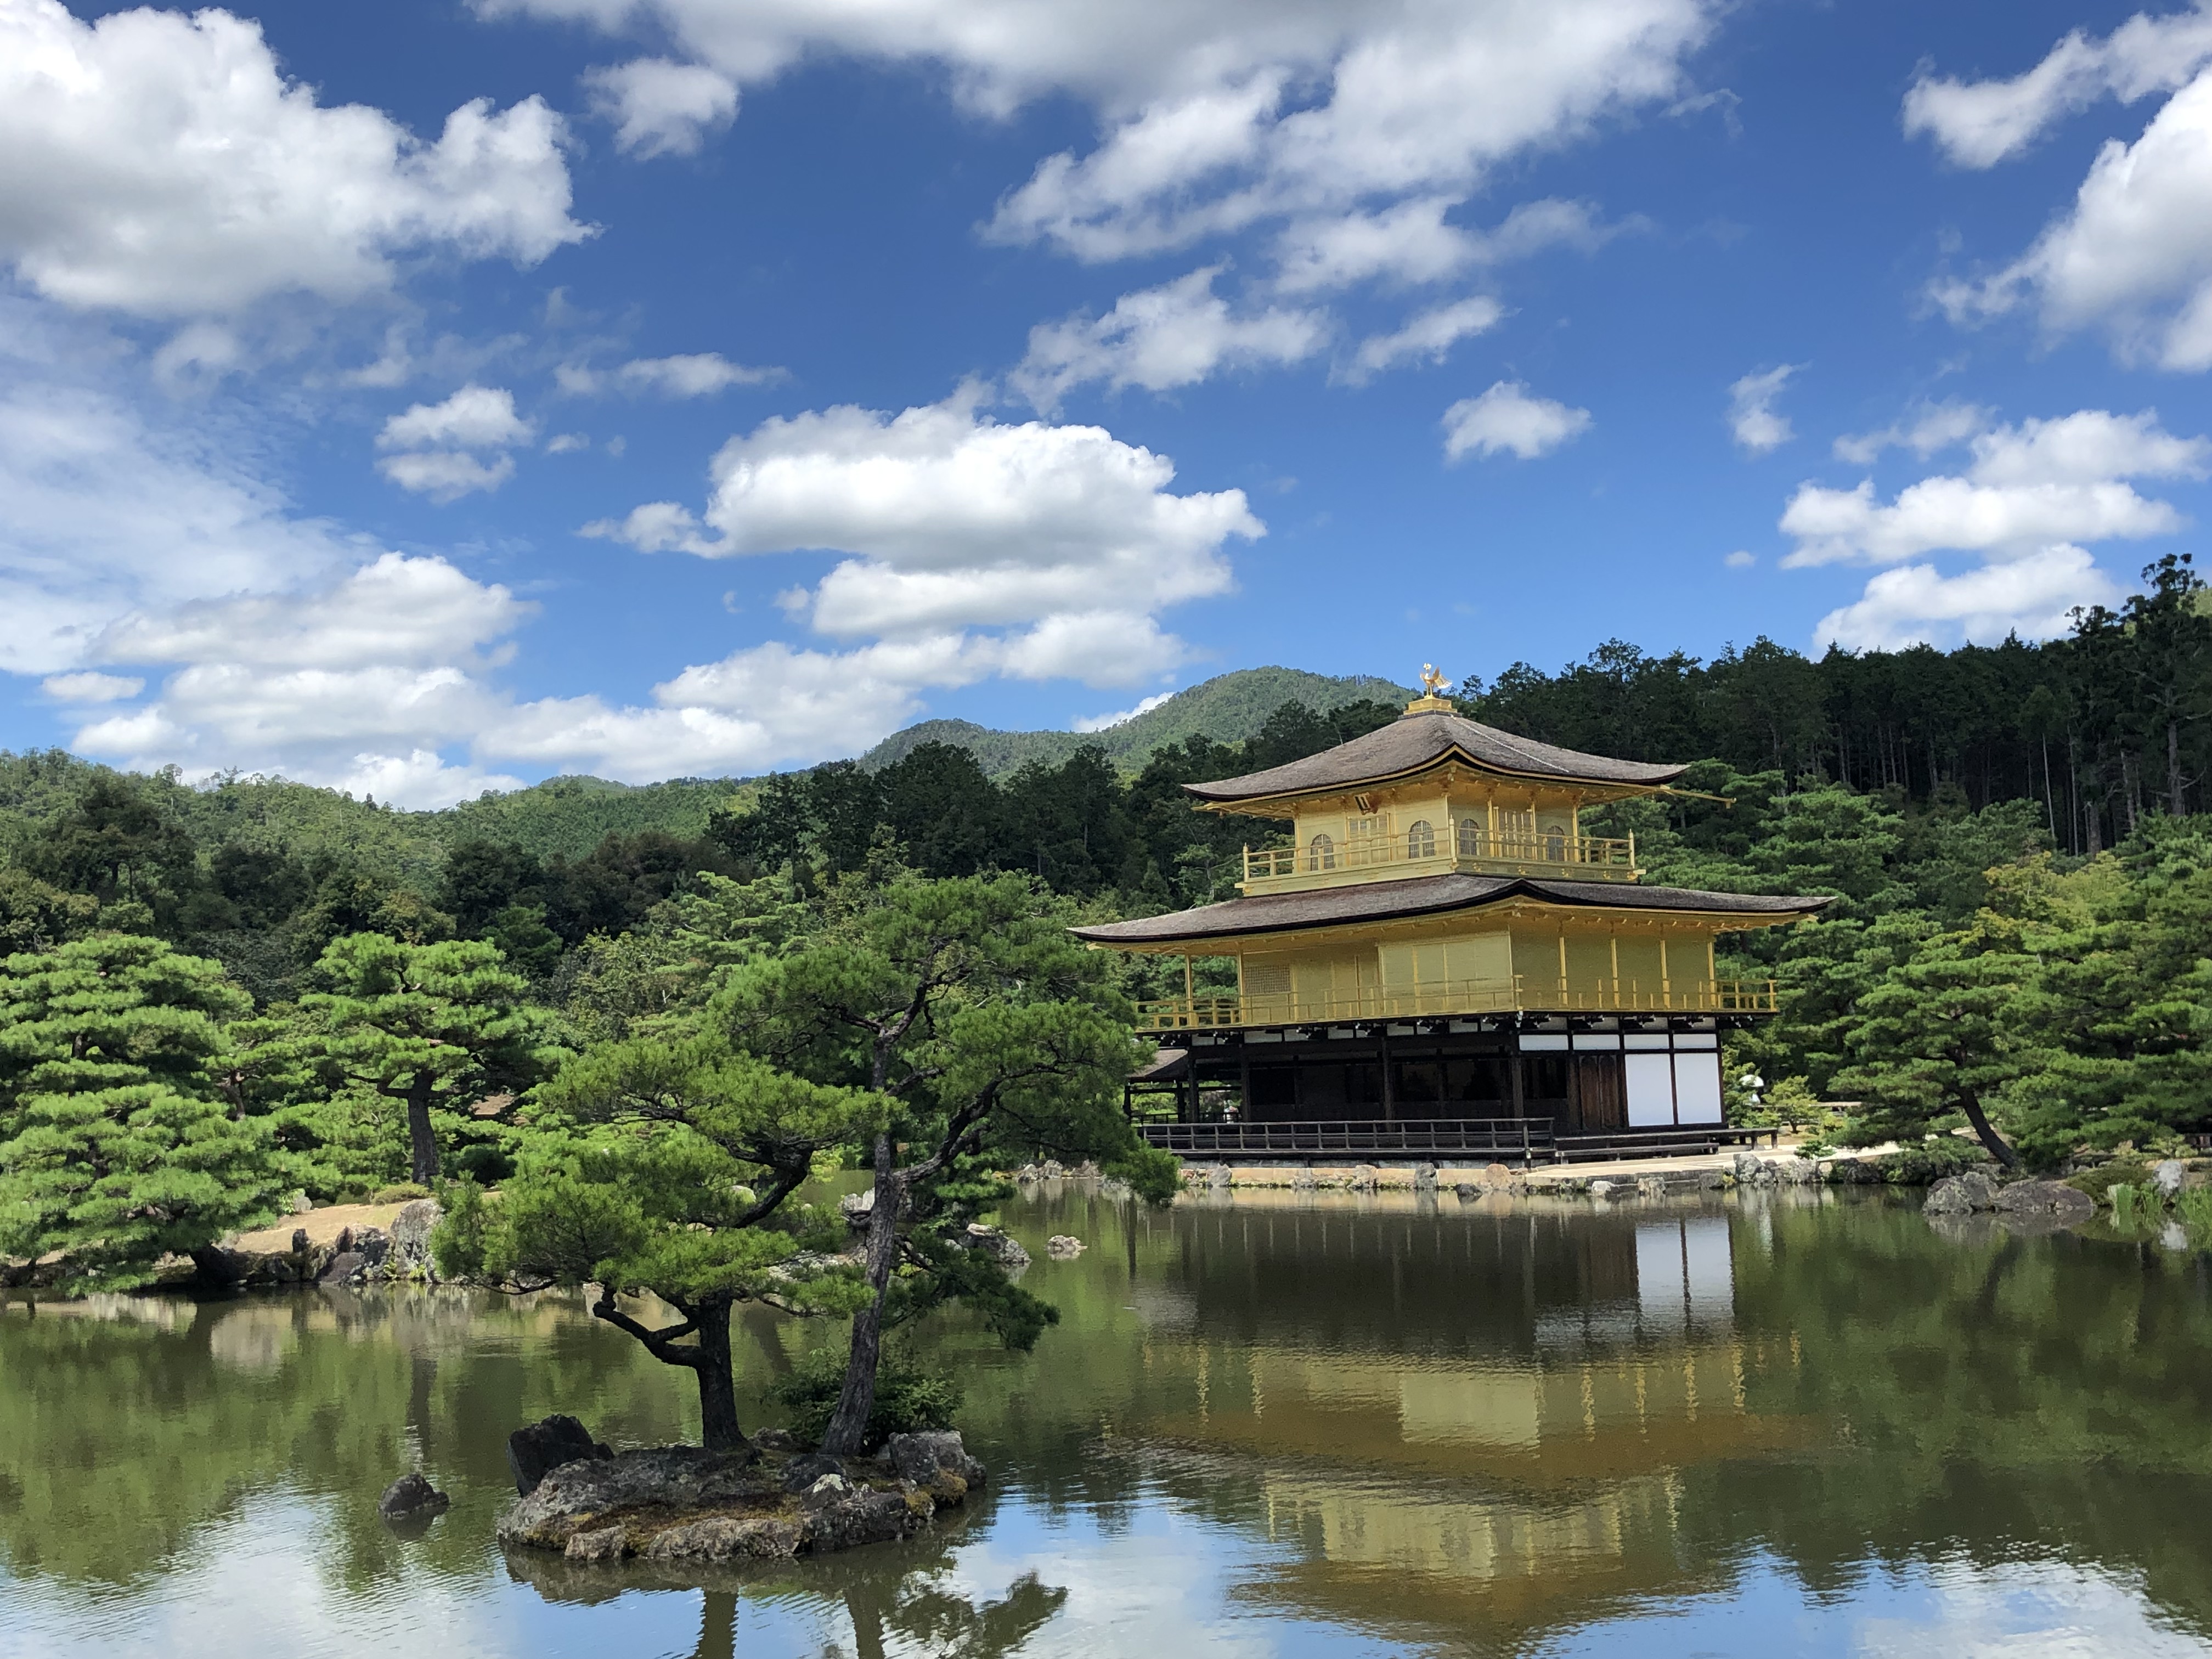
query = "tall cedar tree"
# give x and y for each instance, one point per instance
(115, 1146)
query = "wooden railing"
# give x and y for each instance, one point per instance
(1522, 1138)
(1526, 992)
(1610, 857)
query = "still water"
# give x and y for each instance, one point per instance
(1799, 1422)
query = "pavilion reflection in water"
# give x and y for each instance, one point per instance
(1520, 1463)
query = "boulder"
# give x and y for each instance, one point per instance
(1962, 1194)
(607, 1544)
(2168, 1177)
(1051, 1169)
(986, 1240)
(923, 1456)
(2067, 1204)
(1602, 1188)
(1651, 1186)
(411, 1495)
(374, 1246)
(1466, 1192)
(1752, 1170)
(1302, 1181)
(535, 1451)
(411, 1233)
(1363, 1177)
(1713, 1181)
(569, 1497)
(1424, 1177)
(1496, 1177)
(803, 1472)
(344, 1268)
(1063, 1247)
(780, 1440)
(846, 1519)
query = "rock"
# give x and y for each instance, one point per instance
(2068, 1204)
(1051, 1170)
(720, 1538)
(1424, 1177)
(535, 1451)
(1302, 1181)
(1651, 1186)
(411, 1495)
(1028, 1173)
(1063, 1247)
(1220, 1175)
(866, 1515)
(1602, 1188)
(301, 1204)
(374, 1246)
(986, 1240)
(1713, 1181)
(782, 1440)
(343, 1246)
(607, 1544)
(802, 1473)
(1961, 1195)
(1795, 1171)
(570, 1497)
(830, 1485)
(1752, 1170)
(1363, 1177)
(411, 1233)
(1496, 1177)
(2172, 1236)
(920, 1457)
(344, 1267)
(1466, 1192)
(2168, 1177)
(1086, 1171)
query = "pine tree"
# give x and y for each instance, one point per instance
(116, 1146)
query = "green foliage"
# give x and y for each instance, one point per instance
(911, 1396)
(2100, 1181)
(115, 1145)
(1926, 1163)
(402, 1192)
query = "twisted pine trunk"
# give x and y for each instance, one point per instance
(423, 1140)
(848, 1426)
(719, 1430)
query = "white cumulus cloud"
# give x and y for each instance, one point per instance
(1930, 428)
(1506, 419)
(160, 164)
(439, 444)
(660, 107)
(1758, 426)
(1979, 123)
(1107, 722)
(2030, 497)
(1175, 335)
(2133, 255)
(950, 520)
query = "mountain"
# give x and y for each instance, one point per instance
(1229, 707)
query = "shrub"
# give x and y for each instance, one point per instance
(910, 1397)
(2118, 1172)
(458, 1241)
(406, 1192)
(1931, 1161)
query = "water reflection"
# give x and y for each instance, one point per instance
(1489, 1428)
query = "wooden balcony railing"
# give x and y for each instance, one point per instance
(1525, 1139)
(1604, 857)
(1527, 992)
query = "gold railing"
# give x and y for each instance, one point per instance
(1603, 855)
(1527, 992)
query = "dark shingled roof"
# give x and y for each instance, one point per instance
(1414, 741)
(1424, 895)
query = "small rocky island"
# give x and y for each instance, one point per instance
(683, 1503)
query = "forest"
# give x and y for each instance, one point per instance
(591, 1000)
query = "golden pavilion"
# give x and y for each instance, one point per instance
(1440, 960)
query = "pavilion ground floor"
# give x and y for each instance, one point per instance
(1523, 1087)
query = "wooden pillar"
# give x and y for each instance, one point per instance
(1189, 994)
(1243, 1081)
(1389, 1095)
(1520, 1081)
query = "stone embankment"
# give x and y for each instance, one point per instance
(1647, 1178)
(343, 1244)
(773, 1500)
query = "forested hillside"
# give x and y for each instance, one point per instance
(1227, 708)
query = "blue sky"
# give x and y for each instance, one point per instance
(418, 398)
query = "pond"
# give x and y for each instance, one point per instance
(1798, 1422)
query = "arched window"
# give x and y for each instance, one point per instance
(1321, 853)
(1470, 838)
(1420, 839)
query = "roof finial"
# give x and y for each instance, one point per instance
(1433, 699)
